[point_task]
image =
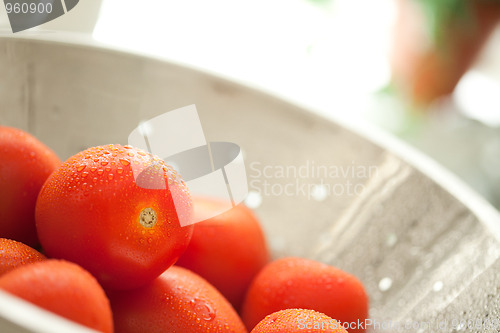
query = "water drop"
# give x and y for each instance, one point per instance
(100, 171)
(110, 176)
(104, 163)
(84, 186)
(81, 167)
(131, 154)
(108, 169)
(141, 153)
(93, 169)
(203, 309)
(96, 160)
(85, 174)
(119, 170)
(150, 240)
(124, 162)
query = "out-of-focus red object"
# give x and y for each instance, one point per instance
(423, 69)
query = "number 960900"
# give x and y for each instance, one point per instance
(28, 7)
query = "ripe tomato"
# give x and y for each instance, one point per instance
(228, 250)
(92, 211)
(301, 283)
(14, 254)
(63, 288)
(177, 301)
(298, 321)
(25, 164)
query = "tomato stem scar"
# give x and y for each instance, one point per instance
(147, 217)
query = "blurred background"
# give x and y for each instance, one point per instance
(427, 71)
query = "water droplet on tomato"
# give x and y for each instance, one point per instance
(131, 154)
(110, 176)
(150, 240)
(85, 174)
(103, 163)
(119, 170)
(84, 186)
(96, 160)
(108, 169)
(124, 162)
(203, 309)
(93, 169)
(81, 167)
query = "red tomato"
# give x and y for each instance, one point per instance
(25, 164)
(63, 288)
(301, 283)
(298, 321)
(14, 254)
(91, 211)
(228, 250)
(178, 301)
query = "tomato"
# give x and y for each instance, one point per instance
(25, 164)
(302, 283)
(298, 321)
(93, 212)
(177, 301)
(63, 288)
(228, 250)
(14, 254)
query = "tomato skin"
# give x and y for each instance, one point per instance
(302, 283)
(25, 164)
(14, 254)
(298, 321)
(228, 250)
(63, 288)
(177, 301)
(90, 209)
